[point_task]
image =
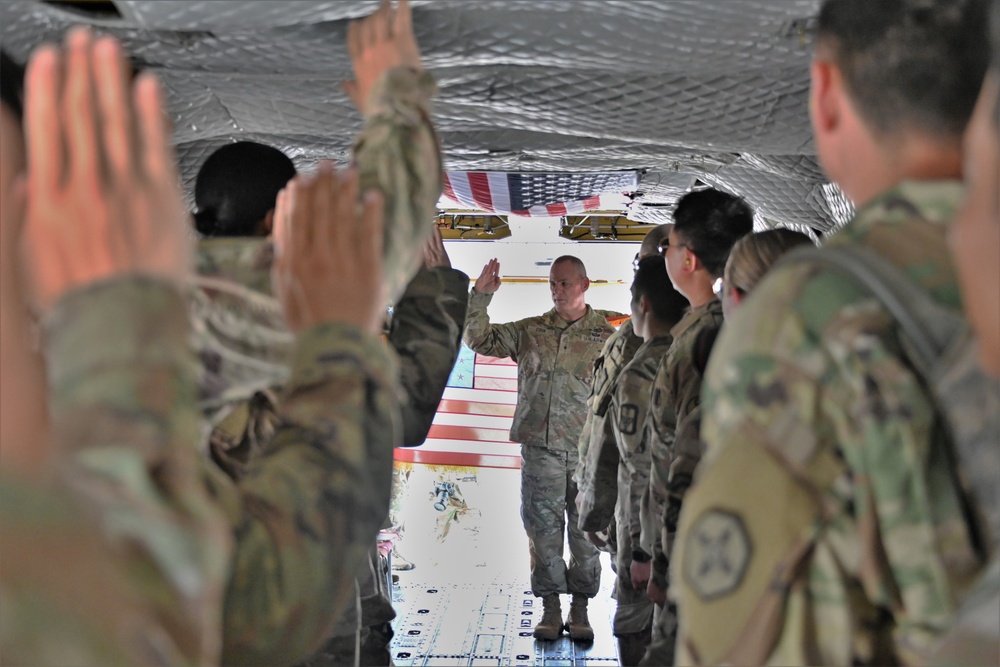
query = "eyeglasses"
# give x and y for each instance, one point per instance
(635, 262)
(665, 245)
(718, 287)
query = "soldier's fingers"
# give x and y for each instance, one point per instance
(302, 220)
(154, 130)
(353, 38)
(381, 25)
(116, 111)
(292, 196)
(78, 109)
(403, 19)
(279, 231)
(324, 204)
(43, 130)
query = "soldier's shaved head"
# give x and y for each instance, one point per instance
(573, 261)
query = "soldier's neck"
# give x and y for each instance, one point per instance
(572, 315)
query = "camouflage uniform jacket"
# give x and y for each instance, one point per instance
(64, 594)
(555, 368)
(628, 413)
(827, 524)
(675, 394)
(311, 503)
(598, 450)
(426, 333)
(123, 404)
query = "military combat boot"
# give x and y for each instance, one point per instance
(551, 625)
(578, 623)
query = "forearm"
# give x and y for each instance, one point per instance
(480, 334)
(602, 478)
(398, 153)
(123, 401)
(427, 335)
(313, 502)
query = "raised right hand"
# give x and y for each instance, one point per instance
(103, 193)
(489, 281)
(378, 43)
(328, 252)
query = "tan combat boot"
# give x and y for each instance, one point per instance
(578, 623)
(551, 625)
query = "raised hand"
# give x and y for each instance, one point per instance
(377, 44)
(489, 281)
(435, 254)
(328, 252)
(103, 193)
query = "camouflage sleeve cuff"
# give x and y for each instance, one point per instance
(332, 349)
(478, 299)
(132, 322)
(401, 87)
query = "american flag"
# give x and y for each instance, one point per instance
(535, 194)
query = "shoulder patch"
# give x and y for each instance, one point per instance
(716, 554)
(627, 419)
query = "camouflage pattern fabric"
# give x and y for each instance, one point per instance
(426, 333)
(974, 636)
(975, 419)
(123, 404)
(547, 510)
(675, 393)
(827, 525)
(555, 369)
(598, 465)
(64, 594)
(398, 153)
(312, 502)
(629, 405)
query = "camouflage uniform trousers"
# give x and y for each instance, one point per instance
(548, 507)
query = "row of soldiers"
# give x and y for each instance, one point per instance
(822, 487)
(197, 442)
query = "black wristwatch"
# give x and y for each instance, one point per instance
(640, 556)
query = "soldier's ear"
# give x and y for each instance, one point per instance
(825, 94)
(644, 305)
(691, 261)
(586, 284)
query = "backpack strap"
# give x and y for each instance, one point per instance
(928, 327)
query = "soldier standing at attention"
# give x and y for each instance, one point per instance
(706, 225)
(555, 355)
(656, 308)
(597, 472)
(828, 525)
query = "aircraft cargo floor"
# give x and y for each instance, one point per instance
(468, 600)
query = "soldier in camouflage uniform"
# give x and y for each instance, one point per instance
(555, 354)
(151, 561)
(656, 308)
(706, 225)
(597, 470)
(241, 335)
(827, 525)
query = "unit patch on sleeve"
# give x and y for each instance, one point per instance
(627, 419)
(716, 554)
